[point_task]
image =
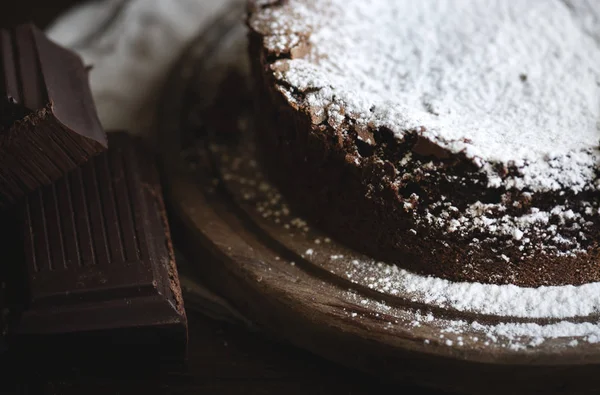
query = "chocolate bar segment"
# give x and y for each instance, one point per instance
(99, 258)
(48, 120)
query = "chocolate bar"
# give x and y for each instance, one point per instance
(99, 261)
(48, 120)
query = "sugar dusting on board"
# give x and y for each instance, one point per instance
(520, 91)
(568, 312)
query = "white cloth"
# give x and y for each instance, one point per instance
(132, 45)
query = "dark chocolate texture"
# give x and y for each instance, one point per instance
(99, 258)
(48, 120)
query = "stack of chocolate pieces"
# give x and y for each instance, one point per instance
(88, 263)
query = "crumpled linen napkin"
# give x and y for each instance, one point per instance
(131, 45)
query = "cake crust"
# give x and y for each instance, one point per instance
(404, 197)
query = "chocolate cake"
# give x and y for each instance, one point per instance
(453, 139)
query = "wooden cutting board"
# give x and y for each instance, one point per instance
(242, 239)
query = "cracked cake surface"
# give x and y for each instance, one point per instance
(458, 139)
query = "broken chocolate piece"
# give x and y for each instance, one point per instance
(48, 121)
(100, 263)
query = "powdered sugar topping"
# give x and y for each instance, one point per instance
(503, 300)
(509, 84)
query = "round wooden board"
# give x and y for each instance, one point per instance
(293, 282)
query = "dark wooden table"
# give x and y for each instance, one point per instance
(224, 358)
